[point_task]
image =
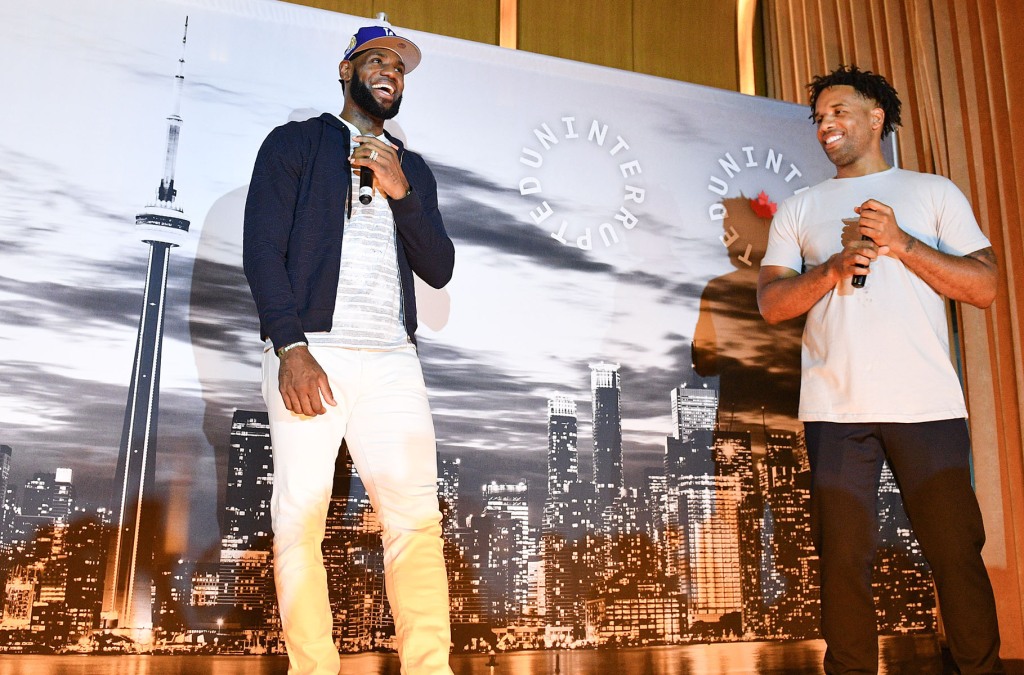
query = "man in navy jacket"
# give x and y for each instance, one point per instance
(332, 277)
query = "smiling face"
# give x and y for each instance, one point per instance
(849, 130)
(375, 80)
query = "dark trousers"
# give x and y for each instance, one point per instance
(931, 463)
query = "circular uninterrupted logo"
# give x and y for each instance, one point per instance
(582, 181)
(755, 179)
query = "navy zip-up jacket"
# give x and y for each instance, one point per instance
(294, 218)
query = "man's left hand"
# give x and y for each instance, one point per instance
(878, 222)
(383, 160)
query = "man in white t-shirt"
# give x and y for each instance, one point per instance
(877, 381)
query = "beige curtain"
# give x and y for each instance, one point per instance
(959, 68)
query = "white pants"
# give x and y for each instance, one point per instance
(383, 415)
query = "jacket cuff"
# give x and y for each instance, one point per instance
(284, 337)
(408, 205)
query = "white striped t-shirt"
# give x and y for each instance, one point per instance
(368, 311)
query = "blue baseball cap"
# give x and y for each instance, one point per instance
(382, 36)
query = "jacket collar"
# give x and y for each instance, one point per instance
(334, 121)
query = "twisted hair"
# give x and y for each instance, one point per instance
(867, 84)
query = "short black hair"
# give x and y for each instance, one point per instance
(867, 84)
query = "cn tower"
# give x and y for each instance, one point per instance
(127, 603)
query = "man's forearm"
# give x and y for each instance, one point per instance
(972, 278)
(428, 247)
(782, 296)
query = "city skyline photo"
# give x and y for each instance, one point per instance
(590, 229)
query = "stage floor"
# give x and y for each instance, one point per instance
(918, 655)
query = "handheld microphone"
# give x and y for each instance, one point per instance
(365, 185)
(858, 279)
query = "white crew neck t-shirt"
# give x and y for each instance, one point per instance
(878, 353)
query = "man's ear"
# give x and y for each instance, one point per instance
(877, 118)
(345, 70)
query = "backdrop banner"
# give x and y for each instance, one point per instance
(620, 460)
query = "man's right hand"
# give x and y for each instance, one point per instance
(303, 383)
(856, 256)
(859, 251)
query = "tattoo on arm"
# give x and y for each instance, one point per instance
(984, 255)
(911, 244)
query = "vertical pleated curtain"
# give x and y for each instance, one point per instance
(959, 68)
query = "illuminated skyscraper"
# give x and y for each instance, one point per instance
(46, 499)
(688, 453)
(790, 596)
(734, 459)
(448, 493)
(654, 495)
(711, 532)
(563, 455)
(250, 483)
(6, 508)
(693, 410)
(465, 552)
(709, 570)
(565, 517)
(50, 496)
(127, 595)
(246, 565)
(354, 559)
(903, 588)
(19, 592)
(507, 503)
(87, 553)
(605, 390)
(510, 499)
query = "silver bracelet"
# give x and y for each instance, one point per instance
(282, 350)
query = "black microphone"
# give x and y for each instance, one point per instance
(365, 185)
(858, 279)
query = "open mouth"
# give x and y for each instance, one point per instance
(388, 90)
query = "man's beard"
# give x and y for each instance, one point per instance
(362, 95)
